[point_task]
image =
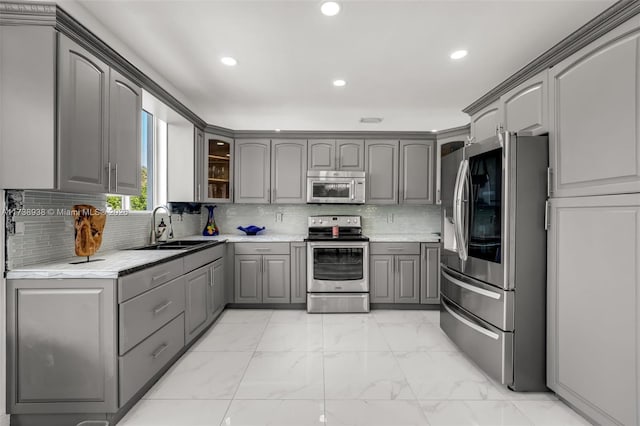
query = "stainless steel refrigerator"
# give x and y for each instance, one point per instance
(493, 262)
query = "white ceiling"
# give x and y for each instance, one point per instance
(394, 56)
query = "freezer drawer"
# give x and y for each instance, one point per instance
(487, 346)
(492, 304)
(338, 303)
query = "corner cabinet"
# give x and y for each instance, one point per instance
(595, 115)
(216, 168)
(593, 345)
(252, 171)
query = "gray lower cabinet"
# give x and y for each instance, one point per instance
(430, 273)
(61, 346)
(407, 280)
(593, 350)
(276, 285)
(381, 161)
(217, 286)
(298, 272)
(262, 278)
(394, 270)
(252, 171)
(248, 278)
(381, 278)
(197, 288)
(417, 172)
(288, 171)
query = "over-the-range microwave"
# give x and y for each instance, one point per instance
(335, 187)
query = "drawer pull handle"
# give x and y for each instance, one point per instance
(159, 351)
(158, 277)
(471, 288)
(162, 307)
(471, 325)
(263, 249)
(395, 249)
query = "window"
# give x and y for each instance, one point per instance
(144, 201)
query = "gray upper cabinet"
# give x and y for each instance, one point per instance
(593, 352)
(332, 154)
(288, 171)
(199, 175)
(298, 272)
(125, 133)
(83, 113)
(381, 269)
(61, 346)
(417, 177)
(381, 159)
(322, 154)
(350, 155)
(595, 116)
(252, 171)
(407, 288)
(196, 305)
(429, 273)
(99, 125)
(248, 278)
(276, 285)
(485, 122)
(526, 108)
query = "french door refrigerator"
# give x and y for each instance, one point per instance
(493, 262)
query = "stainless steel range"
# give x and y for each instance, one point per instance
(337, 265)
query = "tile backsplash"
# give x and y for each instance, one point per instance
(49, 236)
(376, 219)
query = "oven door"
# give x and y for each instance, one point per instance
(335, 266)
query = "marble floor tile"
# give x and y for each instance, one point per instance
(260, 316)
(352, 319)
(445, 375)
(433, 316)
(277, 412)
(398, 317)
(363, 336)
(291, 337)
(223, 337)
(477, 413)
(187, 412)
(364, 375)
(291, 316)
(283, 375)
(523, 396)
(550, 413)
(202, 375)
(411, 337)
(374, 413)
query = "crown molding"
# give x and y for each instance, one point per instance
(455, 131)
(21, 13)
(321, 134)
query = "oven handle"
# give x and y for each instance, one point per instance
(353, 189)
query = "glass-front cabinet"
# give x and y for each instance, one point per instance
(218, 163)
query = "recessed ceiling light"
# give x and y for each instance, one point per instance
(434, 130)
(228, 61)
(371, 120)
(339, 83)
(220, 143)
(277, 130)
(330, 8)
(459, 54)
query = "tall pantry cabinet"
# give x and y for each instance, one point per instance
(593, 340)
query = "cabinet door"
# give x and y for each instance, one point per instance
(417, 177)
(525, 108)
(218, 169)
(407, 271)
(199, 175)
(382, 171)
(430, 274)
(83, 83)
(595, 116)
(216, 290)
(196, 307)
(248, 278)
(593, 350)
(288, 171)
(381, 270)
(125, 134)
(350, 155)
(298, 272)
(61, 346)
(485, 122)
(252, 172)
(276, 281)
(322, 154)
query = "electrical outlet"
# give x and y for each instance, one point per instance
(390, 218)
(19, 228)
(278, 216)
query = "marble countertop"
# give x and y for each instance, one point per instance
(119, 262)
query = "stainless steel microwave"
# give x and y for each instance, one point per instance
(335, 187)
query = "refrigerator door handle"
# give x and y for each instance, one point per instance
(460, 186)
(456, 203)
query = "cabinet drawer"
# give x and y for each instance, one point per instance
(262, 248)
(196, 260)
(143, 362)
(139, 282)
(144, 314)
(394, 248)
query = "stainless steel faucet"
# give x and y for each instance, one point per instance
(154, 232)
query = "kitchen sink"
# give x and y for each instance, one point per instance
(175, 245)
